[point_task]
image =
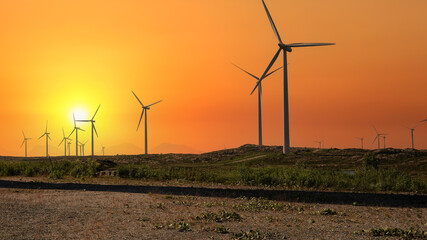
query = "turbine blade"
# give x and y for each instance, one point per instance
(42, 135)
(292, 45)
(71, 132)
(271, 22)
(49, 137)
(82, 120)
(61, 142)
(245, 71)
(154, 103)
(46, 126)
(142, 113)
(23, 133)
(74, 118)
(22, 144)
(423, 120)
(94, 128)
(272, 72)
(138, 99)
(268, 69)
(375, 129)
(374, 139)
(96, 111)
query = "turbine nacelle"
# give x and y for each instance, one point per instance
(284, 47)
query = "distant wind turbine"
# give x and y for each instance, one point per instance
(25, 141)
(361, 140)
(93, 126)
(286, 48)
(77, 129)
(144, 109)
(412, 132)
(320, 143)
(47, 140)
(82, 148)
(384, 136)
(68, 145)
(259, 100)
(65, 140)
(378, 136)
(103, 152)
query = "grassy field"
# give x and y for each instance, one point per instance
(387, 170)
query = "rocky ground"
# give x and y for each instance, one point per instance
(33, 211)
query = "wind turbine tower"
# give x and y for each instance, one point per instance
(25, 142)
(68, 145)
(47, 140)
(378, 136)
(259, 100)
(65, 140)
(361, 140)
(93, 126)
(144, 109)
(77, 129)
(286, 48)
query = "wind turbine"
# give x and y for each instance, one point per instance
(361, 140)
(77, 129)
(144, 109)
(378, 136)
(93, 126)
(384, 136)
(412, 131)
(286, 48)
(68, 145)
(82, 148)
(103, 151)
(320, 144)
(47, 140)
(259, 100)
(25, 141)
(65, 140)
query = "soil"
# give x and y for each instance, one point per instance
(112, 208)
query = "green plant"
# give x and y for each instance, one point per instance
(328, 211)
(221, 229)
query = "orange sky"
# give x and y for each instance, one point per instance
(57, 57)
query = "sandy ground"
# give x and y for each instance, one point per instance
(27, 213)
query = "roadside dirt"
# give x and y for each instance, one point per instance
(104, 213)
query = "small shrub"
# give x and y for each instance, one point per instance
(221, 229)
(328, 211)
(370, 160)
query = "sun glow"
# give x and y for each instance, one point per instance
(80, 113)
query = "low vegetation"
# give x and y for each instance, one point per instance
(398, 232)
(326, 169)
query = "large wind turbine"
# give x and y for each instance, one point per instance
(77, 129)
(286, 48)
(47, 140)
(144, 109)
(259, 100)
(93, 126)
(25, 141)
(65, 140)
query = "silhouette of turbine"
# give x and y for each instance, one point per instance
(144, 109)
(25, 141)
(93, 126)
(82, 148)
(259, 100)
(47, 140)
(378, 136)
(77, 129)
(286, 48)
(65, 140)
(361, 140)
